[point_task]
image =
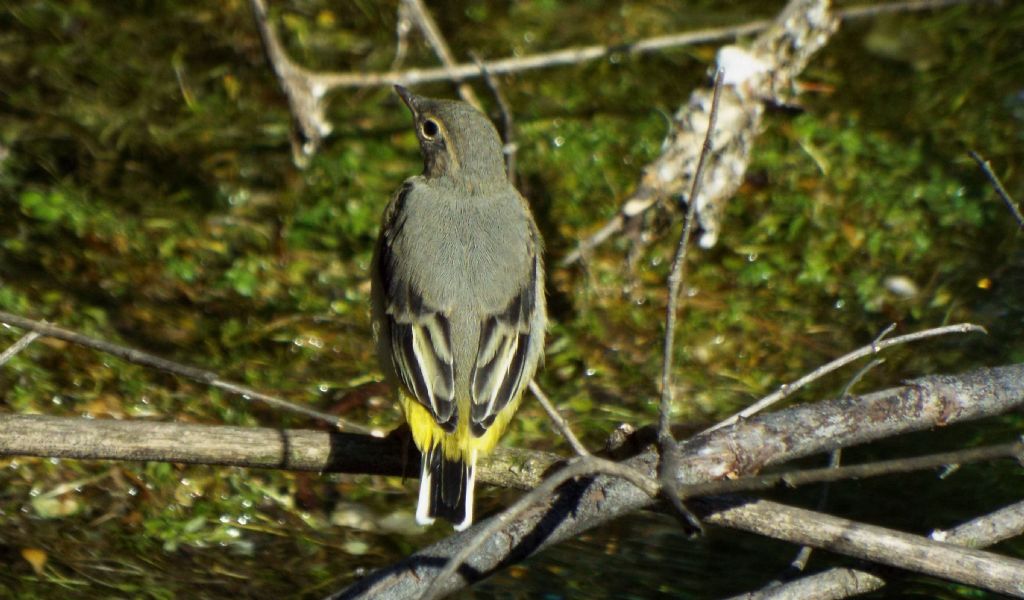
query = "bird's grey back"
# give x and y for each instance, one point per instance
(467, 255)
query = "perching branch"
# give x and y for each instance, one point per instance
(743, 448)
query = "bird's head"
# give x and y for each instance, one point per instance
(457, 141)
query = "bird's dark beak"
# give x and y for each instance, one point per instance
(411, 100)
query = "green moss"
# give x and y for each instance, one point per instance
(148, 198)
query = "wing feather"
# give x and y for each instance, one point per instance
(498, 376)
(421, 345)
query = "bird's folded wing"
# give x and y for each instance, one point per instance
(421, 345)
(502, 355)
(422, 354)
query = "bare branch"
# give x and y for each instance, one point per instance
(666, 443)
(564, 57)
(304, 90)
(582, 466)
(992, 528)
(419, 13)
(307, 450)
(677, 275)
(581, 54)
(403, 25)
(844, 582)
(832, 584)
(560, 424)
(17, 347)
(875, 347)
(998, 187)
(255, 447)
(880, 545)
(200, 375)
(1014, 450)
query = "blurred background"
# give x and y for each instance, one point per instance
(148, 197)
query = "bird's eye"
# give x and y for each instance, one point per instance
(430, 129)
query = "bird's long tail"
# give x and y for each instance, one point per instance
(446, 489)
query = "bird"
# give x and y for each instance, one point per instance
(459, 313)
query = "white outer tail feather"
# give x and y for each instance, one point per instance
(423, 504)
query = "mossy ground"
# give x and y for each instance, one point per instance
(148, 197)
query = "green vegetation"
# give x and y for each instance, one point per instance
(148, 197)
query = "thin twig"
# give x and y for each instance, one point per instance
(560, 424)
(432, 32)
(835, 459)
(877, 10)
(403, 25)
(998, 187)
(678, 274)
(667, 468)
(564, 57)
(788, 389)
(583, 466)
(507, 125)
(195, 374)
(17, 347)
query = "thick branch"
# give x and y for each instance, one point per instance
(877, 544)
(843, 582)
(259, 447)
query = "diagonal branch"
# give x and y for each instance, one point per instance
(978, 568)
(998, 187)
(305, 91)
(875, 347)
(17, 347)
(419, 13)
(195, 374)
